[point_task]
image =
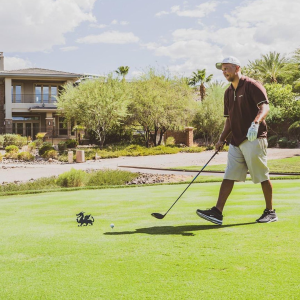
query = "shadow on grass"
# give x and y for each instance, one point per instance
(176, 230)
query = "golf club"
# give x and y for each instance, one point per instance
(160, 216)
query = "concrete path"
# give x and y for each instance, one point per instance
(25, 172)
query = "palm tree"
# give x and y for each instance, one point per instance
(271, 68)
(200, 76)
(122, 71)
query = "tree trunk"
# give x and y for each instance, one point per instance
(202, 91)
(161, 134)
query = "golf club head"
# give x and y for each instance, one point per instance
(157, 216)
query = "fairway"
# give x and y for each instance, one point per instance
(45, 255)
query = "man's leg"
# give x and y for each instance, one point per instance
(267, 190)
(225, 190)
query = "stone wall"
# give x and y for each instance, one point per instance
(185, 137)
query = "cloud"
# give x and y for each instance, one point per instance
(199, 12)
(16, 63)
(254, 28)
(33, 25)
(98, 25)
(70, 48)
(110, 37)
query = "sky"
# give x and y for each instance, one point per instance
(98, 36)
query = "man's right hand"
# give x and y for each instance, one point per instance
(219, 145)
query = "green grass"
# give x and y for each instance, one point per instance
(44, 255)
(285, 165)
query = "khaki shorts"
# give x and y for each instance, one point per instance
(250, 156)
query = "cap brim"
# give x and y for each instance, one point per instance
(219, 66)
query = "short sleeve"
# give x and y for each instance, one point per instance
(258, 93)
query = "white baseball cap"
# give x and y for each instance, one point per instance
(228, 60)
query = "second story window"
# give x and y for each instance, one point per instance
(45, 93)
(16, 93)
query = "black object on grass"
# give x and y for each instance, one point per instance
(160, 216)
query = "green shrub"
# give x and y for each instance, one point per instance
(50, 154)
(62, 146)
(11, 155)
(12, 149)
(272, 141)
(1, 141)
(110, 177)
(10, 139)
(38, 143)
(32, 146)
(292, 144)
(282, 142)
(170, 141)
(72, 178)
(21, 141)
(41, 136)
(294, 130)
(45, 147)
(71, 143)
(1, 157)
(25, 156)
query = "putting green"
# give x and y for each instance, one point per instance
(45, 255)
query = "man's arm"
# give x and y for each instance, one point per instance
(263, 111)
(226, 131)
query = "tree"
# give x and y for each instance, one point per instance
(209, 119)
(160, 103)
(200, 76)
(271, 68)
(98, 104)
(122, 71)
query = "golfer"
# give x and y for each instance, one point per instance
(246, 106)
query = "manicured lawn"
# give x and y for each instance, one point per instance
(45, 255)
(285, 165)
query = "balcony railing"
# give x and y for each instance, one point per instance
(33, 98)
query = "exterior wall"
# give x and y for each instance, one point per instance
(185, 137)
(2, 111)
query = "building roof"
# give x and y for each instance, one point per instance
(38, 72)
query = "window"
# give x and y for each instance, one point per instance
(45, 93)
(62, 126)
(16, 93)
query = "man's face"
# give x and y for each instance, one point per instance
(229, 71)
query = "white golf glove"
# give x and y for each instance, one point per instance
(252, 132)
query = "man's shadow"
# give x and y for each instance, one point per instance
(176, 230)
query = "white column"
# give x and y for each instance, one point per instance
(8, 100)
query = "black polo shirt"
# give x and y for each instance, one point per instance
(241, 106)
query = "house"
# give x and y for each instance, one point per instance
(28, 102)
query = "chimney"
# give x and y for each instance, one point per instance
(1, 61)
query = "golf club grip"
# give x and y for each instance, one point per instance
(196, 177)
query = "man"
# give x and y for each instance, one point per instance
(245, 107)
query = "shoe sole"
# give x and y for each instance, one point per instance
(207, 218)
(270, 221)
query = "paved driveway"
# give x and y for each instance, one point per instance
(24, 172)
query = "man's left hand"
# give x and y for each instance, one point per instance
(252, 132)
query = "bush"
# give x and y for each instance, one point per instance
(1, 157)
(294, 130)
(12, 149)
(292, 144)
(62, 146)
(32, 146)
(1, 140)
(38, 143)
(110, 177)
(71, 143)
(73, 178)
(25, 156)
(170, 141)
(14, 139)
(272, 141)
(41, 136)
(45, 147)
(50, 154)
(282, 142)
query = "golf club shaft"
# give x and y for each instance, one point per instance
(194, 178)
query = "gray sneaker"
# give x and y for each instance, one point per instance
(267, 216)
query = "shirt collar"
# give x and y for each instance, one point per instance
(241, 82)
